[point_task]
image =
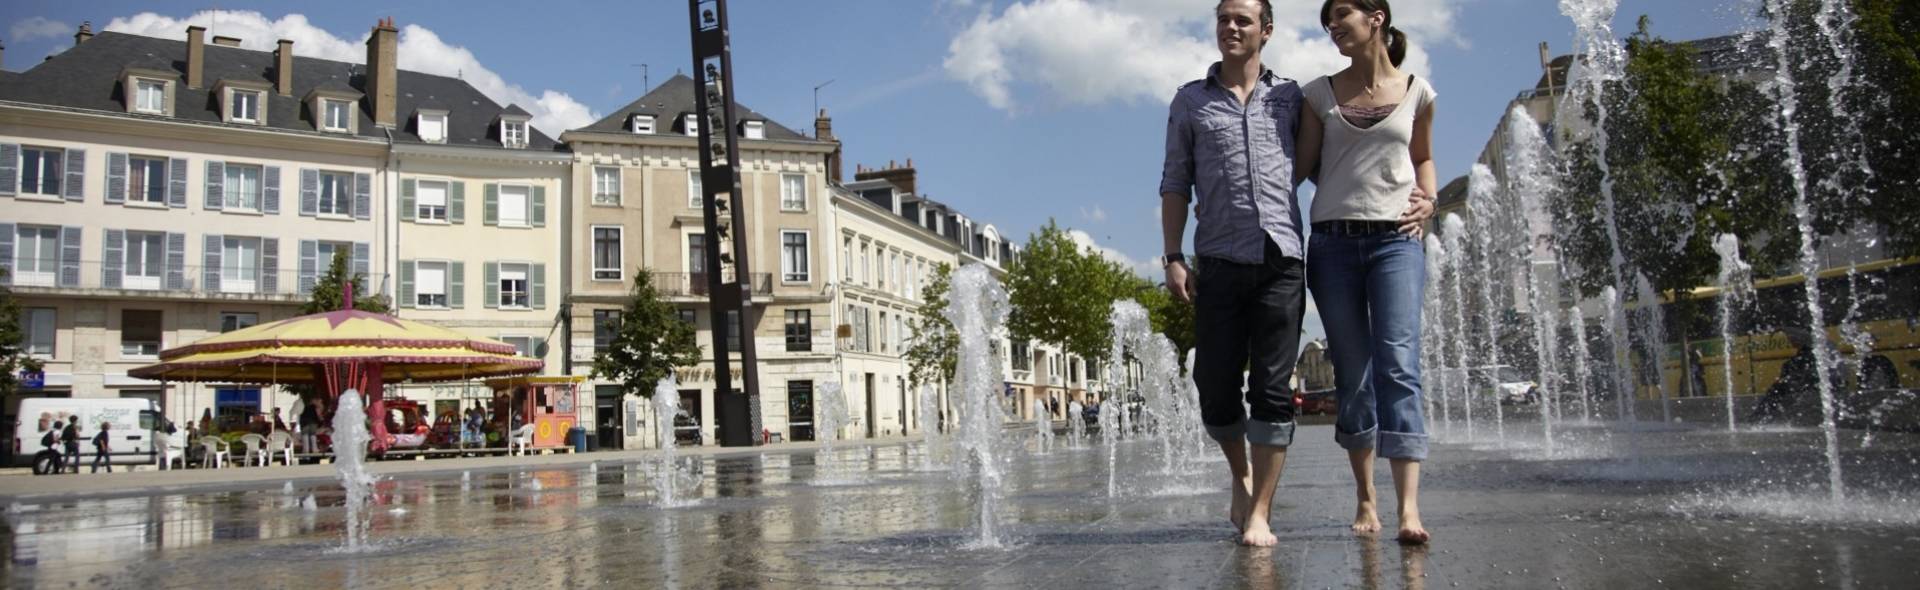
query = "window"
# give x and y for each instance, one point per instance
(149, 96)
(606, 185)
(880, 265)
(430, 284)
(893, 271)
(606, 329)
(147, 179)
(234, 320)
(793, 192)
(755, 130)
(513, 134)
(793, 256)
(522, 345)
(139, 333)
(733, 331)
(692, 124)
(1022, 357)
(846, 258)
(799, 330)
(513, 286)
(697, 256)
(643, 123)
(433, 127)
(336, 193)
(899, 331)
(241, 188)
(513, 206)
(694, 192)
(430, 200)
(336, 115)
(865, 270)
(883, 332)
(690, 317)
(326, 252)
(40, 171)
(145, 263)
(36, 255)
(239, 264)
(246, 106)
(39, 322)
(606, 254)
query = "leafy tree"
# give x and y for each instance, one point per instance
(1062, 294)
(649, 343)
(13, 339)
(932, 351)
(1169, 316)
(1888, 100)
(327, 290)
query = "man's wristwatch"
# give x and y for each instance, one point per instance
(1173, 257)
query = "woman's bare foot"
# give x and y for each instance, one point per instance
(1411, 531)
(1258, 534)
(1364, 518)
(1242, 503)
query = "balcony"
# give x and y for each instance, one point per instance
(694, 284)
(189, 283)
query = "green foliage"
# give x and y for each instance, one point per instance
(1062, 294)
(650, 342)
(1169, 316)
(327, 290)
(1889, 67)
(13, 339)
(933, 350)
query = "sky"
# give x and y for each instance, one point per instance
(1013, 111)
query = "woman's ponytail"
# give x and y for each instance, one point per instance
(1396, 46)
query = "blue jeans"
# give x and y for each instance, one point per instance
(1369, 289)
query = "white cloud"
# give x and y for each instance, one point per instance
(1083, 52)
(420, 50)
(1096, 214)
(1085, 241)
(38, 27)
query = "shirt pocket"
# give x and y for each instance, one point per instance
(1220, 135)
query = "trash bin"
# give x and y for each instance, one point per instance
(593, 442)
(578, 436)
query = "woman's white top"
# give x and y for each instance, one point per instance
(1365, 174)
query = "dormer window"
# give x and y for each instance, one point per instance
(691, 123)
(147, 91)
(334, 110)
(150, 96)
(431, 126)
(755, 130)
(513, 132)
(244, 101)
(643, 123)
(245, 107)
(335, 115)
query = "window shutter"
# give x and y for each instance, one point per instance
(270, 191)
(362, 196)
(70, 256)
(491, 206)
(269, 266)
(362, 255)
(176, 262)
(456, 284)
(216, 178)
(6, 253)
(406, 283)
(492, 288)
(537, 283)
(177, 183)
(113, 257)
(534, 345)
(309, 266)
(456, 202)
(210, 264)
(407, 188)
(539, 206)
(309, 192)
(76, 174)
(9, 173)
(117, 178)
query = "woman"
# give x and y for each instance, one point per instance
(1368, 129)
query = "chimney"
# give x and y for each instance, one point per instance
(196, 55)
(86, 32)
(283, 67)
(382, 100)
(225, 41)
(823, 131)
(900, 176)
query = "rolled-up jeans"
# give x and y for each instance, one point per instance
(1248, 316)
(1369, 289)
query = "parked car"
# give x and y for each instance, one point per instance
(1316, 402)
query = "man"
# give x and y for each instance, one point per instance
(102, 451)
(51, 440)
(1230, 144)
(71, 438)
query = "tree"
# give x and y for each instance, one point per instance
(13, 339)
(1888, 96)
(649, 343)
(1063, 294)
(327, 290)
(932, 351)
(1170, 317)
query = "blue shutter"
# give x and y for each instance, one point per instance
(407, 188)
(456, 284)
(9, 173)
(76, 174)
(456, 202)
(309, 192)
(176, 262)
(177, 183)
(269, 265)
(70, 256)
(216, 179)
(210, 267)
(112, 259)
(537, 283)
(270, 195)
(362, 196)
(117, 178)
(406, 283)
(309, 266)
(362, 257)
(539, 206)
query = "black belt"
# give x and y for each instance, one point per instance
(1355, 227)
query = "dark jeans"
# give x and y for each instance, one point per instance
(73, 457)
(99, 457)
(1248, 316)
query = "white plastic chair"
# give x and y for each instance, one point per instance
(280, 443)
(215, 452)
(522, 437)
(165, 453)
(253, 449)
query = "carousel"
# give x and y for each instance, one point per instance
(340, 350)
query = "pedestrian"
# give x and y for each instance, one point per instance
(102, 449)
(51, 440)
(1229, 155)
(309, 423)
(70, 437)
(278, 424)
(1366, 139)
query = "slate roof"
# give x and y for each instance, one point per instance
(674, 98)
(87, 76)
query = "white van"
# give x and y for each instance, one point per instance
(133, 421)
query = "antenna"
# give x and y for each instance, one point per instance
(645, 83)
(816, 96)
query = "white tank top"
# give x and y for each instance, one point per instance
(1365, 174)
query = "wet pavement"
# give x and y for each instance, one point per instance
(1606, 508)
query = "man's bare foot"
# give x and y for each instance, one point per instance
(1257, 534)
(1411, 531)
(1242, 503)
(1364, 518)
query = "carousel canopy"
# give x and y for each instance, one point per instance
(293, 350)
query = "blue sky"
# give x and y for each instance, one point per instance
(1014, 111)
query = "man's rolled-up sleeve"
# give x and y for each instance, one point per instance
(1176, 174)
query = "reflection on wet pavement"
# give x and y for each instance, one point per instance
(1691, 509)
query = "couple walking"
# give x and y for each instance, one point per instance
(1239, 142)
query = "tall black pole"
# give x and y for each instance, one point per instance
(726, 223)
